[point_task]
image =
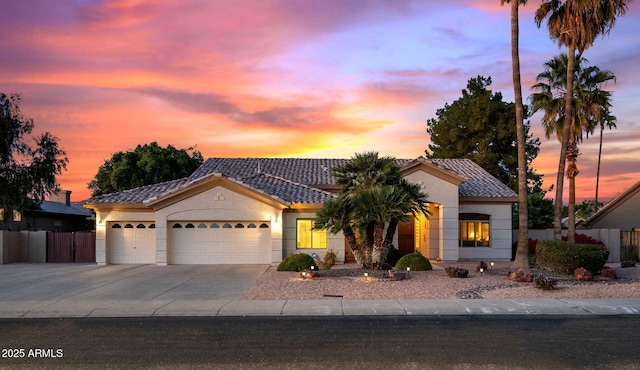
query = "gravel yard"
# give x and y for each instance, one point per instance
(348, 281)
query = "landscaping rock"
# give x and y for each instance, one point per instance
(397, 274)
(608, 273)
(545, 283)
(582, 274)
(520, 276)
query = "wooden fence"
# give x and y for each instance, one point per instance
(629, 244)
(71, 247)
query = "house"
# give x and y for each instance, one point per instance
(55, 214)
(620, 213)
(260, 210)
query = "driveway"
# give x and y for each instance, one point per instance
(79, 289)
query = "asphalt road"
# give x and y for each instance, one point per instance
(386, 342)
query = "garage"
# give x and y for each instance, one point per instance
(131, 242)
(220, 242)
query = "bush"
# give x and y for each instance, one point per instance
(545, 283)
(584, 239)
(561, 257)
(297, 262)
(415, 261)
(393, 256)
(328, 261)
(456, 272)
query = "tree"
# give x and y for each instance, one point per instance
(588, 207)
(480, 126)
(588, 101)
(147, 164)
(522, 251)
(28, 172)
(608, 120)
(373, 195)
(574, 24)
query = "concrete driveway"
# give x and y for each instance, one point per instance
(87, 290)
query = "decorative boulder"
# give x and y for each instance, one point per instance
(582, 274)
(608, 273)
(397, 274)
(520, 276)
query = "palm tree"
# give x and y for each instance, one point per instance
(522, 252)
(373, 195)
(574, 24)
(587, 102)
(608, 120)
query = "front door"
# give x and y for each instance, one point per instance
(406, 236)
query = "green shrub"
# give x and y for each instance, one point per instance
(415, 261)
(393, 256)
(297, 262)
(561, 257)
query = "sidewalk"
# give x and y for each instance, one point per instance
(328, 307)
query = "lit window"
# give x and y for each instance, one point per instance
(307, 237)
(474, 230)
(17, 216)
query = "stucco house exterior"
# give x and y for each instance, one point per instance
(260, 210)
(622, 212)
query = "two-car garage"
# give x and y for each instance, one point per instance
(189, 242)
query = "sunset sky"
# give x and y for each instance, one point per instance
(288, 78)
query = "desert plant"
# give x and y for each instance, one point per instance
(562, 257)
(415, 261)
(627, 263)
(456, 272)
(393, 256)
(545, 283)
(297, 262)
(328, 261)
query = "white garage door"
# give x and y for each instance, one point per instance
(131, 242)
(211, 242)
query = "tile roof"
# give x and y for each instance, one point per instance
(294, 180)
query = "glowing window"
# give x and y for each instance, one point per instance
(307, 237)
(474, 230)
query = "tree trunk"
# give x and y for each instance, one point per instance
(598, 171)
(566, 133)
(522, 251)
(378, 245)
(572, 172)
(388, 238)
(352, 242)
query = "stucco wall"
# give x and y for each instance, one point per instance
(220, 204)
(501, 230)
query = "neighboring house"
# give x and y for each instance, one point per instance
(622, 212)
(260, 210)
(55, 214)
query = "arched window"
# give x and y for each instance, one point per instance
(251, 226)
(239, 226)
(177, 226)
(226, 226)
(128, 226)
(214, 226)
(140, 226)
(189, 226)
(116, 226)
(202, 226)
(152, 226)
(264, 226)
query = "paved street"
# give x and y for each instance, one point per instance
(345, 342)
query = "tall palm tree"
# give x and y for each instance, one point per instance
(587, 102)
(574, 24)
(522, 252)
(608, 120)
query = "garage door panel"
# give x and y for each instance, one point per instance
(131, 243)
(224, 243)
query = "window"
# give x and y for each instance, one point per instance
(307, 237)
(474, 230)
(17, 216)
